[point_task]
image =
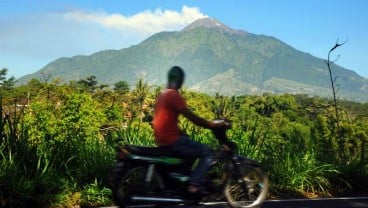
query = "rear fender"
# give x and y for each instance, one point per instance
(116, 172)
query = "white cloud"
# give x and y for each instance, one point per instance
(33, 40)
(146, 22)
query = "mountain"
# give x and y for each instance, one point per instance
(216, 58)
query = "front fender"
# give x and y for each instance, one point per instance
(247, 161)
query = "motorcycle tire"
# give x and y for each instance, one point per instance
(132, 183)
(246, 189)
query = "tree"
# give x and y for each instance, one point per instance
(89, 84)
(5, 85)
(139, 95)
(121, 86)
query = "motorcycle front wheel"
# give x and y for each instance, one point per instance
(133, 183)
(246, 188)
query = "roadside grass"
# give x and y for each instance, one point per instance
(300, 174)
(352, 179)
(60, 158)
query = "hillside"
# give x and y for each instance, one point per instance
(216, 58)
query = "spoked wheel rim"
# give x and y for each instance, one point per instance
(248, 190)
(133, 184)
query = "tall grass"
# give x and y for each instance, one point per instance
(301, 174)
(36, 181)
(352, 178)
(51, 160)
(56, 154)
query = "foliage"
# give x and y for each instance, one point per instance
(57, 140)
(94, 195)
(121, 86)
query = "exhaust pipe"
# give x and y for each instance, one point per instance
(157, 199)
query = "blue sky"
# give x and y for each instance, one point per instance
(34, 33)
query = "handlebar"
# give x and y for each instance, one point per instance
(220, 133)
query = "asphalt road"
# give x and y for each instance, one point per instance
(348, 202)
(318, 203)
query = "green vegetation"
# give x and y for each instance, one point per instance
(57, 139)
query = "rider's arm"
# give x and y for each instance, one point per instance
(196, 119)
(182, 133)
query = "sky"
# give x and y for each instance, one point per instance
(34, 33)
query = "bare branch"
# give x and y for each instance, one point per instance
(335, 89)
(337, 58)
(337, 44)
(335, 79)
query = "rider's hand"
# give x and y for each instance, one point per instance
(219, 124)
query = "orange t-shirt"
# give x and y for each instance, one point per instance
(165, 120)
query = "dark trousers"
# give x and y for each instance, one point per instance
(190, 149)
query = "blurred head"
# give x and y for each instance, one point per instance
(175, 77)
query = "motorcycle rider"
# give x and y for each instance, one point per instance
(169, 105)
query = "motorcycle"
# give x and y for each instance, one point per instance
(147, 176)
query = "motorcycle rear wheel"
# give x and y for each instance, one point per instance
(132, 183)
(246, 189)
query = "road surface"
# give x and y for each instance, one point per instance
(347, 202)
(358, 202)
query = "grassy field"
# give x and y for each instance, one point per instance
(57, 140)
